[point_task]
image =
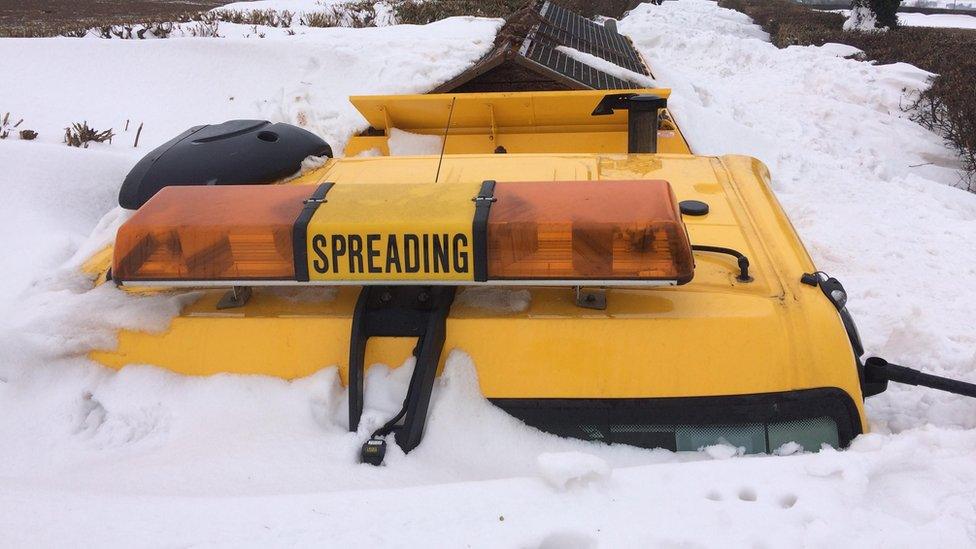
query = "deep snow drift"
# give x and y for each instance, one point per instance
(143, 457)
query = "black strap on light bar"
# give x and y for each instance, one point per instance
(299, 233)
(479, 229)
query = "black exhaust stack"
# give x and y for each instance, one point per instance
(641, 120)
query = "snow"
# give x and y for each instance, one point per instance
(144, 457)
(601, 64)
(861, 18)
(941, 20)
(572, 470)
(495, 299)
(723, 451)
(174, 83)
(839, 50)
(402, 143)
(937, 20)
(942, 4)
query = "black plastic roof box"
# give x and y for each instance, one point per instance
(237, 152)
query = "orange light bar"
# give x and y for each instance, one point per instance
(232, 232)
(587, 230)
(543, 233)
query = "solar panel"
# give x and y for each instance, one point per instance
(577, 32)
(549, 57)
(563, 38)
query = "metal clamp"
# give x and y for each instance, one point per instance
(238, 296)
(591, 299)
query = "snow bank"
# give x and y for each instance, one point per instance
(178, 82)
(865, 187)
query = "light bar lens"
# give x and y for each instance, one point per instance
(233, 232)
(606, 232)
(579, 230)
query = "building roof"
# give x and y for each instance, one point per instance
(534, 40)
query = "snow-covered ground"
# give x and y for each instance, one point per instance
(941, 20)
(938, 20)
(143, 457)
(941, 4)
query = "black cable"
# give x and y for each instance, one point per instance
(388, 427)
(741, 257)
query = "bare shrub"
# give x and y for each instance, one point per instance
(951, 114)
(267, 18)
(28, 135)
(81, 135)
(207, 26)
(6, 127)
(421, 12)
(320, 19)
(75, 33)
(140, 31)
(353, 14)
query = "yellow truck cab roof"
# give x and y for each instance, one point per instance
(715, 335)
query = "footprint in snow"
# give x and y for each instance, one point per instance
(567, 539)
(750, 495)
(747, 494)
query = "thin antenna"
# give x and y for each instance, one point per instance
(444, 141)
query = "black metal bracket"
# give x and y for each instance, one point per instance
(238, 296)
(837, 296)
(590, 299)
(880, 371)
(641, 118)
(400, 311)
(612, 102)
(479, 228)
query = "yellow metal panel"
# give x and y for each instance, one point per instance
(521, 122)
(557, 109)
(395, 232)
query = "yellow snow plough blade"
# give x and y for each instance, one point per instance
(518, 122)
(761, 352)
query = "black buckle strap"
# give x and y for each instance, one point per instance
(299, 232)
(479, 229)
